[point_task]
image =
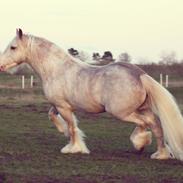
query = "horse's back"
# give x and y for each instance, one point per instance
(121, 90)
(131, 69)
(114, 87)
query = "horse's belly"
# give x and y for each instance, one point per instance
(124, 99)
(88, 105)
(93, 110)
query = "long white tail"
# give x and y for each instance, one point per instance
(165, 107)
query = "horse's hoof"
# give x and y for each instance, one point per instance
(155, 155)
(74, 149)
(78, 149)
(66, 149)
(85, 151)
(161, 155)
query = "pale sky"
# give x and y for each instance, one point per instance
(143, 28)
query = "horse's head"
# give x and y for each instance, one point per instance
(15, 53)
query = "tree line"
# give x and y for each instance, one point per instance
(107, 56)
(165, 58)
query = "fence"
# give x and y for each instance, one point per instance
(31, 81)
(166, 80)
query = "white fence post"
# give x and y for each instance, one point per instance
(161, 79)
(32, 80)
(166, 84)
(23, 82)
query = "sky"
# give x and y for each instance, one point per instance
(143, 28)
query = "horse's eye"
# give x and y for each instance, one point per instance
(13, 47)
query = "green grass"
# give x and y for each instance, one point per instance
(30, 147)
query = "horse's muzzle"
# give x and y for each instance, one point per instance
(2, 68)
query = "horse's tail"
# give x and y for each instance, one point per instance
(165, 107)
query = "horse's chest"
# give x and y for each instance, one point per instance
(52, 91)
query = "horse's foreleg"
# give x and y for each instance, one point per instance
(57, 119)
(76, 143)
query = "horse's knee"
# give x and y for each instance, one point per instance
(59, 122)
(52, 113)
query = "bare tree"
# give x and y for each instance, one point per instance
(107, 56)
(73, 51)
(124, 57)
(96, 56)
(168, 58)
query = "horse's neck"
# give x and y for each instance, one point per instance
(49, 61)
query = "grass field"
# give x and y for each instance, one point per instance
(30, 145)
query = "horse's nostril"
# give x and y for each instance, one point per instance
(2, 68)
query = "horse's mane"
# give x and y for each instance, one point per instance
(33, 39)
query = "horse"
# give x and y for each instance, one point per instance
(121, 89)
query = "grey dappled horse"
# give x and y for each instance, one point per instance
(123, 90)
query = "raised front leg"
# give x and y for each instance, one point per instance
(76, 144)
(57, 119)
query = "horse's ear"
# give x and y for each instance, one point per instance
(19, 33)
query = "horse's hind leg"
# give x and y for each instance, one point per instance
(151, 121)
(155, 125)
(76, 143)
(162, 152)
(140, 137)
